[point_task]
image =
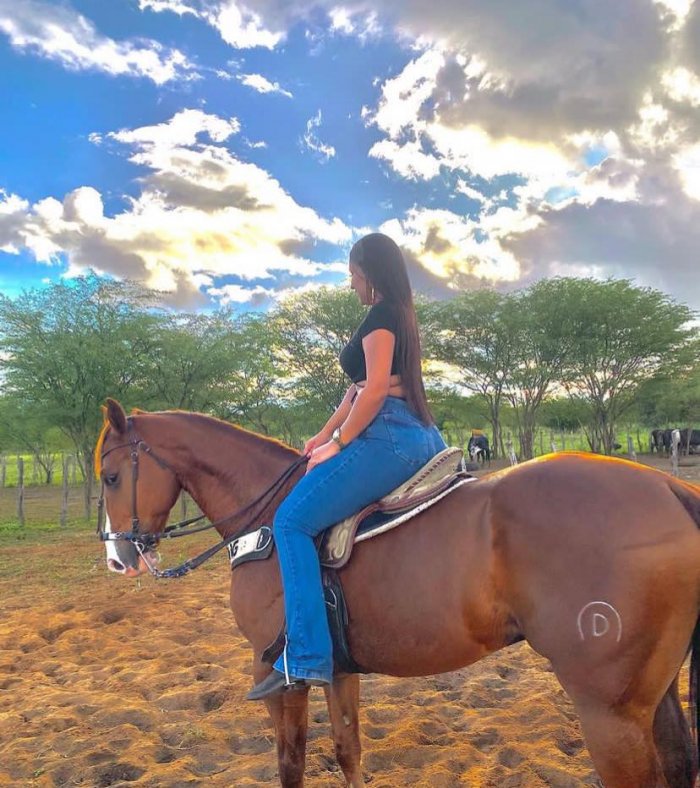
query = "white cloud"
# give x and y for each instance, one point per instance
(687, 163)
(262, 85)
(184, 128)
(313, 143)
(174, 6)
(59, 33)
(449, 247)
(240, 26)
(202, 214)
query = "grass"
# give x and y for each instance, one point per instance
(34, 473)
(42, 507)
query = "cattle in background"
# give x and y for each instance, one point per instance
(656, 441)
(690, 441)
(478, 449)
(666, 440)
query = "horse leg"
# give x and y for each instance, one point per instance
(621, 744)
(290, 719)
(343, 698)
(674, 743)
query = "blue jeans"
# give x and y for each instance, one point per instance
(388, 452)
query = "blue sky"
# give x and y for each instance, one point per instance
(230, 153)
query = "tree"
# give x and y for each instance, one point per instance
(542, 338)
(69, 346)
(473, 335)
(625, 336)
(310, 330)
(26, 429)
(673, 398)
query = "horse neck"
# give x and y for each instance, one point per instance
(224, 468)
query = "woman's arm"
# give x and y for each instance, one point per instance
(378, 347)
(338, 417)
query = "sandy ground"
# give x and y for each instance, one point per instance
(111, 682)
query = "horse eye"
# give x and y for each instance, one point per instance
(111, 479)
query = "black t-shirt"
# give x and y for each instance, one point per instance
(352, 356)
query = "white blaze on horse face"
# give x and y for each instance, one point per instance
(114, 563)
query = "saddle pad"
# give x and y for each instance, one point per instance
(337, 553)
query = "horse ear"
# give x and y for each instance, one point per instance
(116, 416)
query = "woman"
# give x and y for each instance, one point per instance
(380, 435)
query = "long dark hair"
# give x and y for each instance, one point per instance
(382, 263)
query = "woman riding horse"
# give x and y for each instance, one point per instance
(595, 561)
(380, 435)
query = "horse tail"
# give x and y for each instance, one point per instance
(690, 498)
(694, 682)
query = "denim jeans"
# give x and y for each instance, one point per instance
(388, 452)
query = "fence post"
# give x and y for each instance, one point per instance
(183, 504)
(3, 471)
(675, 443)
(541, 443)
(64, 494)
(20, 491)
(512, 458)
(631, 453)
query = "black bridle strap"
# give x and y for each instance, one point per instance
(143, 541)
(193, 563)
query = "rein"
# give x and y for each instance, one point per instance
(144, 541)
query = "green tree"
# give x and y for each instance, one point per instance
(672, 398)
(542, 339)
(310, 330)
(473, 336)
(625, 336)
(25, 429)
(69, 346)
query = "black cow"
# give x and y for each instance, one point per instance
(656, 441)
(478, 449)
(690, 441)
(666, 440)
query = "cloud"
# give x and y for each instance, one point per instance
(60, 34)
(174, 6)
(262, 85)
(451, 249)
(202, 215)
(313, 143)
(654, 243)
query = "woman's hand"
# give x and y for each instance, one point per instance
(317, 440)
(322, 453)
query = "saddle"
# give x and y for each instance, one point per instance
(439, 477)
(413, 496)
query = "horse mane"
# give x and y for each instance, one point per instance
(97, 461)
(272, 444)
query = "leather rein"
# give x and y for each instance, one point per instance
(144, 541)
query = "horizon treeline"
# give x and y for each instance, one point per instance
(566, 353)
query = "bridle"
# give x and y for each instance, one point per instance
(144, 541)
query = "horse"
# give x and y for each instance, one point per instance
(595, 561)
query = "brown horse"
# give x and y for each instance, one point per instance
(596, 562)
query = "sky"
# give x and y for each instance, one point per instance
(229, 154)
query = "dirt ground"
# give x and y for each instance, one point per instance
(113, 682)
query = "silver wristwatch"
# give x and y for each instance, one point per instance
(337, 438)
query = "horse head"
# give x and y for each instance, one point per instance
(139, 488)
